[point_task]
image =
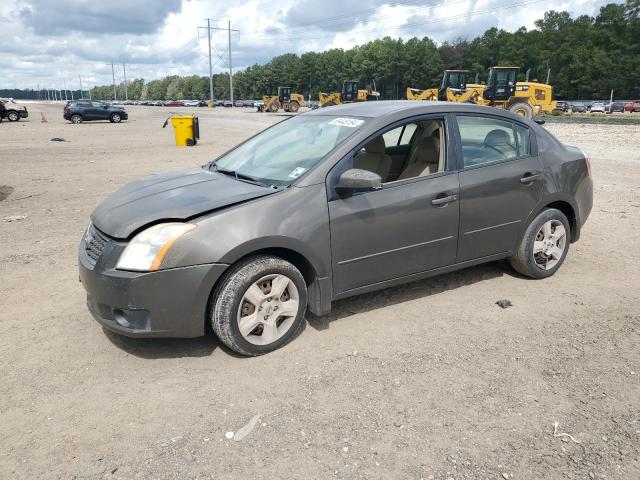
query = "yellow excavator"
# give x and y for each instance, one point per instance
(502, 90)
(350, 93)
(286, 99)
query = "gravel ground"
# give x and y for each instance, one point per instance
(430, 380)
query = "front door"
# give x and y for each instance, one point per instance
(408, 226)
(501, 183)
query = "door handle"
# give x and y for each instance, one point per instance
(443, 200)
(529, 178)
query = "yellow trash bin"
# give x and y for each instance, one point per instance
(186, 129)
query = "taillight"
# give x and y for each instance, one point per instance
(66, 108)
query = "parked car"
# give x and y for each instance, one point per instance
(78, 111)
(169, 254)
(173, 103)
(615, 107)
(248, 103)
(597, 107)
(227, 103)
(562, 105)
(633, 106)
(239, 103)
(259, 104)
(578, 108)
(13, 111)
(191, 103)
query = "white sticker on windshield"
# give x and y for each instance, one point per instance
(346, 122)
(297, 172)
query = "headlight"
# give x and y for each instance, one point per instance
(147, 249)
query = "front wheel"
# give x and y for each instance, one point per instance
(294, 107)
(544, 245)
(522, 109)
(259, 305)
(115, 118)
(13, 116)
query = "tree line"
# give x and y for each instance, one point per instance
(586, 57)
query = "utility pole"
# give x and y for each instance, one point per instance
(124, 70)
(113, 76)
(230, 67)
(81, 92)
(64, 84)
(229, 30)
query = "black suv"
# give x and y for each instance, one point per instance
(86, 110)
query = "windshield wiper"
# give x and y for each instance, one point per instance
(243, 177)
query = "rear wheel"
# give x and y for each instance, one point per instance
(259, 305)
(76, 118)
(522, 109)
(294, 107)
(13, 116)
(115, 118)
(544, 245)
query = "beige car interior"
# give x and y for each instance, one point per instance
(420, 157)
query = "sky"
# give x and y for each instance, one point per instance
(52, 43)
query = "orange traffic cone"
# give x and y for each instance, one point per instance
(43, 119)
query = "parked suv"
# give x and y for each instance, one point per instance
(12, 110)
(79, 111)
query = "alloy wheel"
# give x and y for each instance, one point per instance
(268, 309)
(550, 244)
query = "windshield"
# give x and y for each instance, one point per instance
(284, 152)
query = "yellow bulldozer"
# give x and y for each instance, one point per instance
(502, 90)
(350, 93)
(286, 99)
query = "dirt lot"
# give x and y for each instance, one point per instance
(431, 380)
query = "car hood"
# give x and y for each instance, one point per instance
(173, 196)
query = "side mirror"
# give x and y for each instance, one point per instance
(539, 121)
(357, 180)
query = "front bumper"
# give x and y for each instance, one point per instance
(24, 113)
(166, 303)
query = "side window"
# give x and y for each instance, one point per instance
(97, 104)
(486, 140)
(524, 144)
(425, 155)
(399, 136)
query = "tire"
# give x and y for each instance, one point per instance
(523, 109)
(13, 116)
(543, 235)
(244, 292)
(115, 118)
(294, 107)
(76, 118)
(274, 107)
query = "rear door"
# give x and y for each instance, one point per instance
(501, 182)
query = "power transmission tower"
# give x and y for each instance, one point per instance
(228, 30)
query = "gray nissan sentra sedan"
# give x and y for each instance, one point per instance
(325, 205)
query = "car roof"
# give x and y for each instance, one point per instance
(381, 108)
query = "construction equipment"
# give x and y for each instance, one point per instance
(453, 88)
(350, 93)
(285, 99)
(502, 90)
